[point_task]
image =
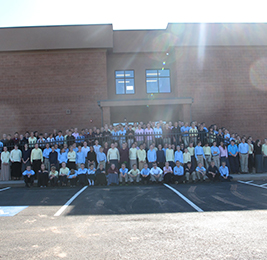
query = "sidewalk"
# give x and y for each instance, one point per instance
(236, 177)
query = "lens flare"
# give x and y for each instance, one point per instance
(258, 74)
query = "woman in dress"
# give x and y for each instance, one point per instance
(26, 155)
(5, 167)
(258, 157)
(15, 158)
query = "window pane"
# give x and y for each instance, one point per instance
(120, 86)
(129, 86)
(152, 85)
(164, 73)
(119, 74)
(151, 73)
(164, 85)
(129, 73)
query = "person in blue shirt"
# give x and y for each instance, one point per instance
(145, 174)
(46, 153)
(215, 152)
(201, 172)
(62, 157)
(233, 157)
(178, 155)
(178, 173)
(243, 154)
(101, 157)
(199, 153)
(72, 177)
(28, 175)
(123, 171)
(82, 174)
(185, 130)
(91, 174)
(151, 156)
(224, 173)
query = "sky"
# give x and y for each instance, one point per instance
(128, 15)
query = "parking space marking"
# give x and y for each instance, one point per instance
(7, 188)
(264, 184)
(63, 208)
(184, 198)
(253, 184)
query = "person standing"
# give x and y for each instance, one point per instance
(151, 156)
(15, 158)
(264, 152)
(141, 155)
(71, 159)
(243, 154)
(233, 157)
(199, 153)
(36, 158)
(46, 153)
(133, 156)
(250, 156)
(258, 156)
(215, 151)
(5, 167)
(113, 156)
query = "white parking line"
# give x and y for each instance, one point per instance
(253, 184)
(264, 184)
(184, 198)
(60, 211)
(7, 188)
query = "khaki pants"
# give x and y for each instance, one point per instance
(47, 164)
(193, 176)
(200, 176)
(141, 165)
(216, 160)
(207, 160)
(134, 178)
(154, 178)
(200, 159)
(123, 178)
(244, 162)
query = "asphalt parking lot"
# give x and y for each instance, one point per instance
(189, 221)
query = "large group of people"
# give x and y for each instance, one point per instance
(134, 153)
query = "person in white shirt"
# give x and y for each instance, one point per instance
(15, 158)
(113, 155)
(134, 174)
(5, 167)
(133, 156)
(156, 174)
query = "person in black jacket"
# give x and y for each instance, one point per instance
(213, 172)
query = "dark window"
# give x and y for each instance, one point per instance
(158, 81)
(124, 81)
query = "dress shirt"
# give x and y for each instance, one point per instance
(82, 171)
(215, 150)
(178, 170)
(199, 151)
(185, 129)
(178, 156)
(141, 155)
(96, 148)
(264, 149)
(63, 157)
(28, 172)
(198, 169)
(156, 171)
(145, 171)
(223, 152)
(207, 150)
(85, 150)
(36, 154)
(123, 171)
(46, 152)
(191, 150)
(224, 171)
(91, 171)
(232, 149)
(169, 155)
(243, 148)
(166, 170)
(100, 157)
(134, 172)
(151, 155)
(70, 176)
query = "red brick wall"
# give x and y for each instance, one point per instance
(220, 81)
(38, 87)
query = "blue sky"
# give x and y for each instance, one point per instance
(135, 14)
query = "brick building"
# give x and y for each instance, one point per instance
(86, 75)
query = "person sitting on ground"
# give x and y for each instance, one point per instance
(72, 176)
(42, 176)
(134, 174)
(156, 174)
(53, 176)
(82, 173)
(63, 173)
(100, 176)
(112, 176)
(189, 171)
(123, 174)
(145, 174)
(213, 172)
(178, 173)
(28, 175)
(91, 174)
(167, 171)
(201, 172)
(224, 173)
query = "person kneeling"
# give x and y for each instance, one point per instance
(201, 172)
(53, 176)
(100, 176)
(113, 175)
(213, 172)
(224, 171)
(28, 176)
(145, 175)
(91, 174)
(63, 174)
(156, 174)
(178, 172)
(82, 173)
(134, 174)
(190, 171)
(167, 170)
(123, 174)
(72, 176)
